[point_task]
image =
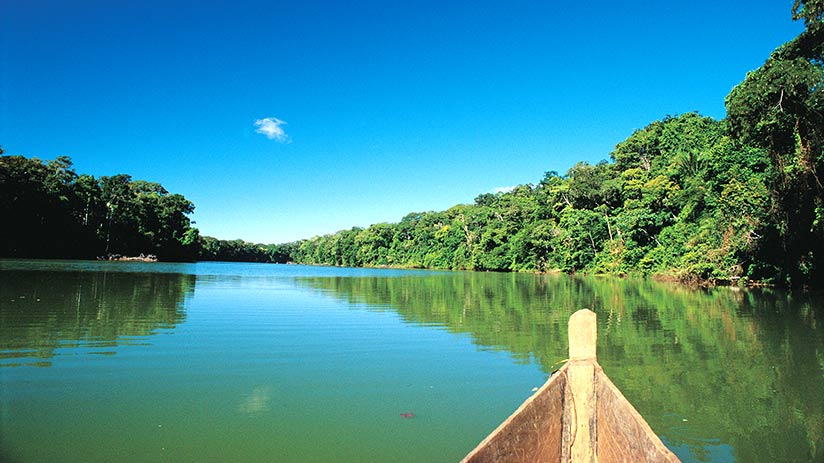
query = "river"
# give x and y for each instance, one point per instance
(147, 362)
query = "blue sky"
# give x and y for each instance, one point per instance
(282, 120)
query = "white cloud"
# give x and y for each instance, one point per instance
(271, 127)
(502, 189)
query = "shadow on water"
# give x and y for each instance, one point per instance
(43, 311)
(722, 374)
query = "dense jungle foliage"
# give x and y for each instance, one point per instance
(49, 211)
(689, 197)
(681, 197)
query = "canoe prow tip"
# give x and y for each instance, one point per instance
(583, 335)
(577, 416)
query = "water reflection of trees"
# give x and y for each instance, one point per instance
(46, 310)
(715, 371)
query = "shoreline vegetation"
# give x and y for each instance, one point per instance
(140, 258)
(737, 201)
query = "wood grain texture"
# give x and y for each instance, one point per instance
(581, 433)
(578, 416)
(532, 433)
(623, 435)
(583, 335)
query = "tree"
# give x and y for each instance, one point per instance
(780, 108)
(54, 212)
(811, 11)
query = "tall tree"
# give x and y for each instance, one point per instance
(811, 11)
(780, 107)
(51, 211)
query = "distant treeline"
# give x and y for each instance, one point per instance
(49, 211)
(688, 197)
(682, 197)
(242, 251)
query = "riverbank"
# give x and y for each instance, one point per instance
(141, 258)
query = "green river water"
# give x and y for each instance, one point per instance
(220, 362)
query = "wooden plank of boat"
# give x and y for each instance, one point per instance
(577, 416)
